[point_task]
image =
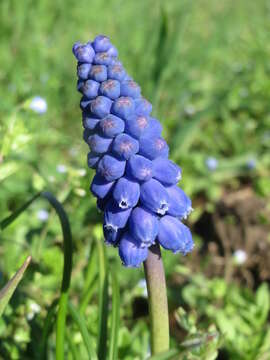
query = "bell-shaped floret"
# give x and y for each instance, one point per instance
(153, 147)
(114, 216)
(137, 125)
(100, 187)
(126, 193)
(101, 43)
(90, 89)
(174, 235)
(124, 146)
(179, 202)
(111, 168)
(130, 88)
(101, 106)
(111, 235)
(110, 88)
(98, 73)
(143, 107)
(99, 144)
(111, 125)
(92, 160)
(154, 197)
(166, 171)
(123, 107)
(139, 168)
(116, 72)
(143, 226)
(129, 252)
(83, 70)
(84, 53)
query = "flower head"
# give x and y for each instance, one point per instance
(135, 182)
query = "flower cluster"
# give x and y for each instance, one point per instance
(135, 182)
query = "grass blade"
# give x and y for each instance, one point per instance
(113, 348)
(90, 279)
(80, 322)
(10, 287)
(48, 324)
(103, 301)
(72, 347)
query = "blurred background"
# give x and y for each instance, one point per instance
(205, 67)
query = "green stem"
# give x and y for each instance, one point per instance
(158, 303)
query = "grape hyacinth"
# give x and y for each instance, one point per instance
(135, 182)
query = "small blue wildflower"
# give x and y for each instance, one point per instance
(38, 105)
(211, 163)
(135, 182)
(251, 164)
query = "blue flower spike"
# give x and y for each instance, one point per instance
(135, 184)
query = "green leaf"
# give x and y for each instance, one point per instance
(67, 247)
(7, 291)
(263, 301)
(113, 348)
(80, 322)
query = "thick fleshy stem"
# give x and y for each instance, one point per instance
(157, 300)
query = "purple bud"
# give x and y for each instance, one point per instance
(83, 70)
(101, 43)
(179, 202)
(111, 168)
(92, 160)
(111, 126)
(100, 187)
(110, 88)
(99, 144)
(139, 168)
(154, 128)
(84, 53)
(123, 107)
(166, 171)
(101, 106)
(112, 51)
(126, 193)
(84, 103)
(102, 58)
(143, 226)
(98, 73)
(153, 147)
(124, 146)
(115, 217)
(136, 125)
(90, 89)
(130, 254)
(143, 107)
(89, 122)
(174, 235)
(130, 88)
(154, 196)
(116, 72)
